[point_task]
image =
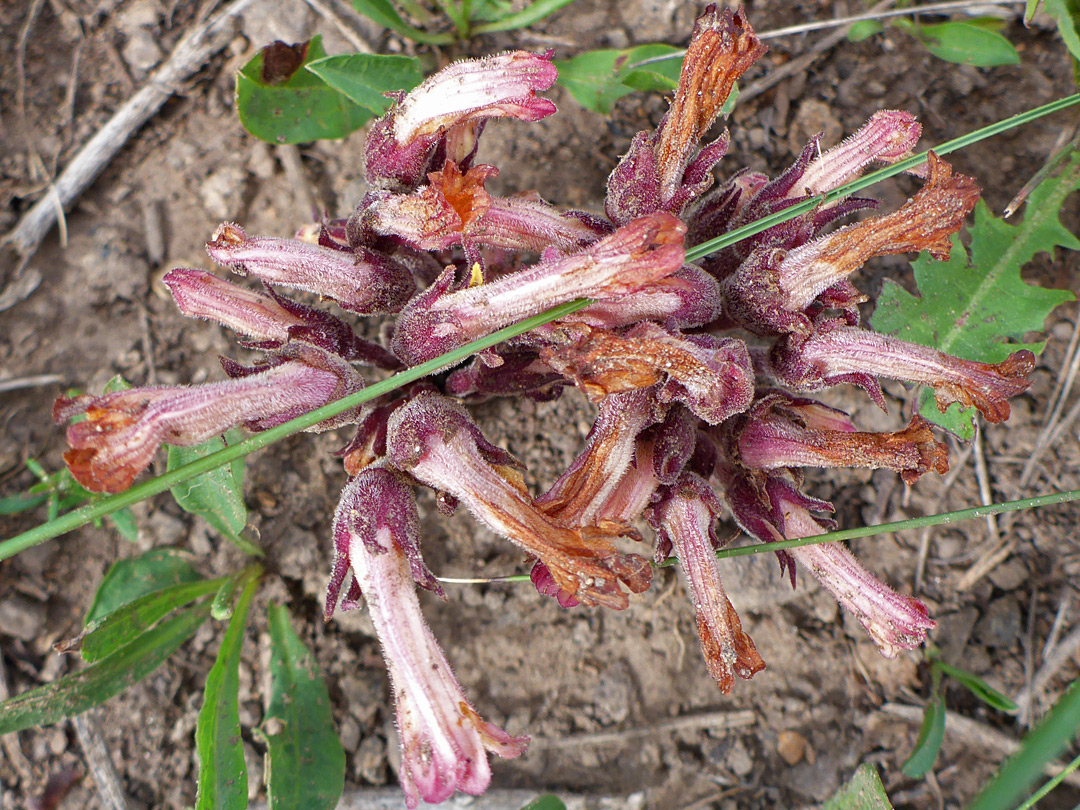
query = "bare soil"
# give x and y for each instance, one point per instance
(561, 676)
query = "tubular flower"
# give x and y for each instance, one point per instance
(685, 518)
(444, 742)
(434, 440)
(768, 440)
(895, 622)
(443, 114)
(124, 429)
(363, 282)
(438, 319)
(847, 354)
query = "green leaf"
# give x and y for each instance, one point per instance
(306, 762)
(532, 13)
(1029, 10)
(928, 743)
(133, 577)
(864, 29)
(216, 496)
(982, 310)
(124, 522)
(108, 634)
(384, 13)
(301, 108)
(967, 43)
(21, 502)
(1066, 14)
(656, 77)
(222, 771)
(79, 691)
(863, 791)
(978, 687)
(595, 78)
(364, 77)
(1039, 747)
(547, 802)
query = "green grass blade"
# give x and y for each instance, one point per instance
(89, 687)
(222, 771)
(978, 687)
(863, 791)
(1045, 742)
(534, 12)
(306, 762)
(928, 743)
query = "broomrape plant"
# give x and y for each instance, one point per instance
(700, 371)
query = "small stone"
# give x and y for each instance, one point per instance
(953, 632)
(21, 618)
(369, 763)
(254, 764)
(1010, 574)
(141, 51)
(221, 192)
(1000, 623)
(739, 760)
(791, 746)
(812, 117)
(350, 733)
(57, 742)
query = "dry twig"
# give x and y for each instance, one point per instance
(715, 721)
(98, 761)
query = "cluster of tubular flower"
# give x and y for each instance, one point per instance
(700, 372)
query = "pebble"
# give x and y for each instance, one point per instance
(350, 733)
(953, 632)
(791, 746)
(21, 618)
(1010, 574)
(369, 763)
(739, 760)
(1000, 623)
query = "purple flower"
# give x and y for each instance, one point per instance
(123, 430)
(444, 742)
(440, 119)
(362, 280)
(440, 319)
(434, 440)
(685, 520)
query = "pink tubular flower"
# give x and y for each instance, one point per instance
(848, 354)
(711, 376)
(123, 430)
(895, 622)
(444, 742)
(455, 208)
(447, 109)
(438, 320)
(889, 136)
(768, 440)
(434, 439)
(684, 520)
(362, 281)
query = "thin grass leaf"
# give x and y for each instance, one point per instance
(534, 12)
(863, 791)
(928, 743)
(365, 77)
(384, 13)
(128, 579)
(1066, 14)
(1044, 743)
(982, 310)
(978, 687)
(305, 759)
(222, 771)
(14, 504)
(79, 691)
(105, 636)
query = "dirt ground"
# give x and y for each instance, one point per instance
(564, 677)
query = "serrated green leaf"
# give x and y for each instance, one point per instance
(1066, 14)
(532, 13)
(124, 522)
(384, 13)
(301, 108)
(365, 77)
(982, 310)
(967, 43)
(222, 771)
(863, 791)
(928, 743)
(216, 496)
(548, 802)
(978, 687)
(1045, 742)
(106, 635)
(133, 577)
(79, 691)
(595, 78)
(306, 761)
(864, 29)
